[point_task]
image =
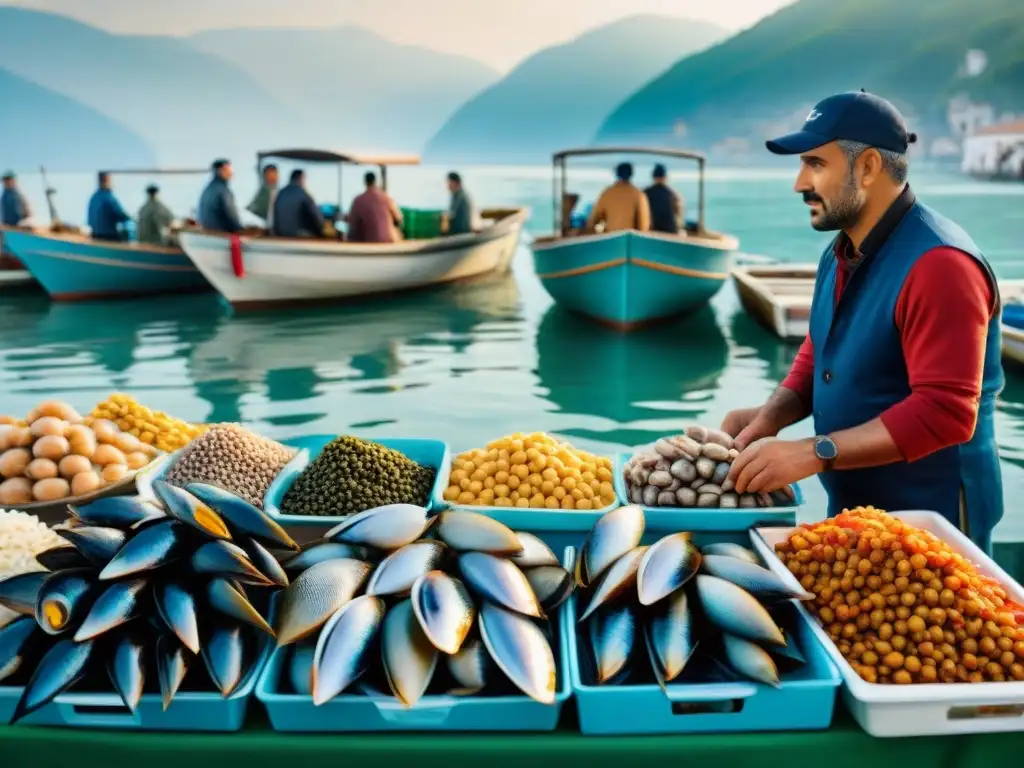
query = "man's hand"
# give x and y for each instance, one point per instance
(769, 464)
(745, 425)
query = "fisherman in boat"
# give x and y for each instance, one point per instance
(665, 203)
(217, 209)
(154, 218)
(621, 206)
(295, 212)
(262, 204)
(106, 216)
(14, 207)
(901, 367)
(373, 216)
(459, 218)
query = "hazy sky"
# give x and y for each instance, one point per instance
(499, 34)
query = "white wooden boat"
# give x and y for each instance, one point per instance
(278, 271)
(778, 296)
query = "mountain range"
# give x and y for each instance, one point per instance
(81, 97)
(765, 79)
(234, 92)
(349, 87)
(50, 129)
(556, 98)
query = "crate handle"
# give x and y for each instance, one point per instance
(98, 715)
(718, 692)
(985, 711)
(424, 713)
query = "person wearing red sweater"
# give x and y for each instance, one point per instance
(901, 366)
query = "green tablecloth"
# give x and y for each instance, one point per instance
(845, 745)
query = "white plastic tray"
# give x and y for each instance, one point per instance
(924, 709)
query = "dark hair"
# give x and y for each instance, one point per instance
(370, 178)
(269, 167)
(152, 189)
(102, 177)
(660, 172)
(297, 174)
(453, 176)
(624, 171)
(218, 164)
(9, 176)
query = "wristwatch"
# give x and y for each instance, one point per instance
(825, 449)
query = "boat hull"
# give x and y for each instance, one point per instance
(280, 272)
(72, 267)
(630, 279)
(778, 297)
(1013, 345)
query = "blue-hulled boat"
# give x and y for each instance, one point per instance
(72, 267)
(629, 278)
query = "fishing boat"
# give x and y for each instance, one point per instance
(627, 279)
(252, 271)
(71, 266)
(778, 296)
(13, 275)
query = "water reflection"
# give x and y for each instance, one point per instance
(293, 355)
(753, 340)
(655, 373)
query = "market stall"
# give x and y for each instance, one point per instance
(199, 592)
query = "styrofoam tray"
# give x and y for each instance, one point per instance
(706, 519)
(923, 709)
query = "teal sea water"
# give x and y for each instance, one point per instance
(467, 364)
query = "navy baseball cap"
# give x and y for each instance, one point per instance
(854, 116)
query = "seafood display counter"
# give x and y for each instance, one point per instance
(843, 745)
(334, 598)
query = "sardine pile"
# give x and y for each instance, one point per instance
(705, 615)
(692, 470)
(352, 475)
(392, 601)
(139, 588)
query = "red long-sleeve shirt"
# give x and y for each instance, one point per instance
(942, 313)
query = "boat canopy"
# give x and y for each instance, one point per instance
(559, 181)
(307, 155)
(155, 171)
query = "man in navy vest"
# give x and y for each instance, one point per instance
(901, 367)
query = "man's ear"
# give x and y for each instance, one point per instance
(870, 166)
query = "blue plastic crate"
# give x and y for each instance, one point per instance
(706, 519)
(805, 700)
(189, 711)
(353, 712)
(429, 453)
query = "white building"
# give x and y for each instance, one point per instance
(995, 150)
(966, 117)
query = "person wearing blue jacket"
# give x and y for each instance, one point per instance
(105, 212)
(295, 211)
(217, 209)
(14, 207)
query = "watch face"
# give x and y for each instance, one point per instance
(825, 448)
